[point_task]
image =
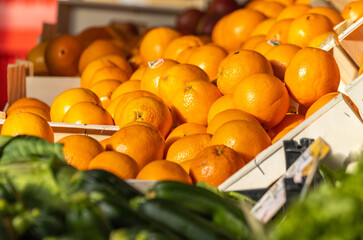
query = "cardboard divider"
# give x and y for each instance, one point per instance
(355, 91)
(339, 4)
(2, 115)
(16, 82)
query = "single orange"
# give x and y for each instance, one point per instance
(38, 111)
(104, 90)
(174, 79)
(155, 42)
(79, 150)
(186, 165)
(192, 103)
(151, 77)
(270, 9)
(208, 58)
(68, 98)
(304, 28)
(141, 141)
(96, 49)
(353, 10)
(26, 123)
(265, 46)
(311, 74)
(27, 102)
(87, 113)
(188, 147)
(229, 115)
(108, 73)
(280, 57)
(178, 45)
(215, 164)
(321, 38)
(105, 142)
(330, 13)
(280, 30)
(119, 164)
(62, 55)
(281, 134)
(293, 11)
(289, 121)
(238, 65)
(263, 27)
(238, 26)
(252, 42)
(320, 103)
(223, 103)
(185, 54)
(183, 130)
(147, 109)
(88, 35)
(125, 87)
(37, 56)
(138, 73)
(264, 96)
(162, 170)
(245, 137)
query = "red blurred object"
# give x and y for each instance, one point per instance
(222, 7)
(207, 22)
(20, 26)
(188, 20)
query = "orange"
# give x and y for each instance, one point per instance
(37, 56)
(174, 79)
(111, 60)
(108, 73)
(330, 13)
(238, 26)
(105, 143)
(139, 72)
(280, 30)
(147, 109)
(270, 9)
(119, 164)
(155, 42)
(238, 65)
(120, 102)
(303, 1)
(353, 10)
(318, 40)
(104, 90)
(223, 103)
(161, 170)
(88, 35)
(125, 87)
(304, 28)
(96, 49)
(141, 141)
(68, 98)
(293, 11)
(281, 134)
(38, 111)
(183, 130)
(215, 164)
(263, 27)
(188, 147)
(264, 96)
(151, 77)
(87, 113)
(28, 102)
(178, 45)
(280, 57)
(311, 74)
(252, 42)
(290, 121)
(320, 103)
(26, 123)
(208, 58)
(79, 150)
(184, 55)
(62, 55)
(284, 2)
(265, 46)
(186, 165)
(229, 115)
(192, 103)
(245, 137)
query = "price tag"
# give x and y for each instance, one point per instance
(275, 197)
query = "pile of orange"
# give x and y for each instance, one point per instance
(189, 109)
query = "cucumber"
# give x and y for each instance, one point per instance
(223, 213)
(182, 221)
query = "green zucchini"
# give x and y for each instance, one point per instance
(182, 221)
(223, 213)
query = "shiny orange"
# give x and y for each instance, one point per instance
(184, 55)
(139, 72)
(289, 121)
(320, 103)
(27, 102)
(38, 111)
(223, 103)
(238, 65)
(245, 137)
(311, 74)
(188, 147)
(321, 38)
(141, 141)
(279, 31)
(353, 10)
(37, 56)
(178, 45)
(125, 87)
(119, 164)
(162, 170)
(79, 150)
(293, 11)
(265, 46)
(215, 164)
(330, 13)
(252, 42)
(263, 27)
(270, 9)
(104, 90)
(87, 113)
(108, 73)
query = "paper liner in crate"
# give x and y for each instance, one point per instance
(337, 123)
